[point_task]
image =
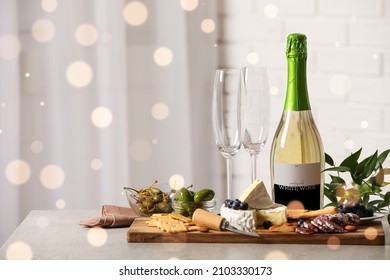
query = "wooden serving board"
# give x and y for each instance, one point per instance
(367, 234)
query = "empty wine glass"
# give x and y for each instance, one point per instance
(256, 113)
(226, 116)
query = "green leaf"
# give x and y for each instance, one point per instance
(388, 218)
(387, 197)
(369, 167)
(381, 158)
(365, 199)
(383, 204)
(376, 189)
(352, 161)
(337, 179)
(329, 159)
(366, 166)
(374, 202)
(338, 169)
(364, 188)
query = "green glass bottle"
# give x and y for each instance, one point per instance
(297, 156)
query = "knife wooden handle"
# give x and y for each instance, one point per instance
(207, 219)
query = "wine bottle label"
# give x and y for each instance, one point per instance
(298, 185)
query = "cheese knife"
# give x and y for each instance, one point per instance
(213, 221)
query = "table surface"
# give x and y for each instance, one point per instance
(56, 234)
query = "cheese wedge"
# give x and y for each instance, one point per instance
(277, 216)
(257, 196)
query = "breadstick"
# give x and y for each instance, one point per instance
(313, 213)
(292, 212)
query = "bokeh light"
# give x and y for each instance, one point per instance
(19, 251)
(60, 204)
(163, 56)
(101, 117)
(52, 176)
(79, 74)
(370, 233)
(135, 13)
(271, 11)
(349, 144)
(49, 6)
(36, 147)
(9, 47)
(96, 164)
(189, 5)
(252, 58)
(18, 172)
(207, 25)
(160, 111)
(295, 204)
(364, 124)
(176, 181)
(333, 242)
(140, 150)
(86, 34)
(276, 255)
(97, 236)
(340, 85)
(42, 222)
(43, 30)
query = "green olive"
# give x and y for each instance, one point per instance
(148, 203)
(155, 191)
(204, 195)
(163, 207)
(182, 212)
(157, 198)
(143, 211)
(184, 195)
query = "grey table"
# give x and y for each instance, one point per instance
(55, 234)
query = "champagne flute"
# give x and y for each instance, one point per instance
(256, 113)
(226, 116)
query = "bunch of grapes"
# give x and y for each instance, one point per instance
(356, 208)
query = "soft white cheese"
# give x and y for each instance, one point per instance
(276, 216)
(241, 219)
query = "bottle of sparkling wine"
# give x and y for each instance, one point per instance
(297, 156)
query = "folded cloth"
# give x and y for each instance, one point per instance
(112, 216)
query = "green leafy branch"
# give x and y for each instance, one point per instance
(367, 182)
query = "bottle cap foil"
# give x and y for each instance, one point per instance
(296, 46)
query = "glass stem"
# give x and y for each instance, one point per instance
(229, 177)
(254, 167)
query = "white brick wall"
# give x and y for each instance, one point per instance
(348, 68)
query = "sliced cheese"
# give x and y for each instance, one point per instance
(257, 196)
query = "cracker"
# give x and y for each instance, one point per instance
(180, 217)
(169, 224)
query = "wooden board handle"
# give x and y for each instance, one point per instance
(207, 219)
